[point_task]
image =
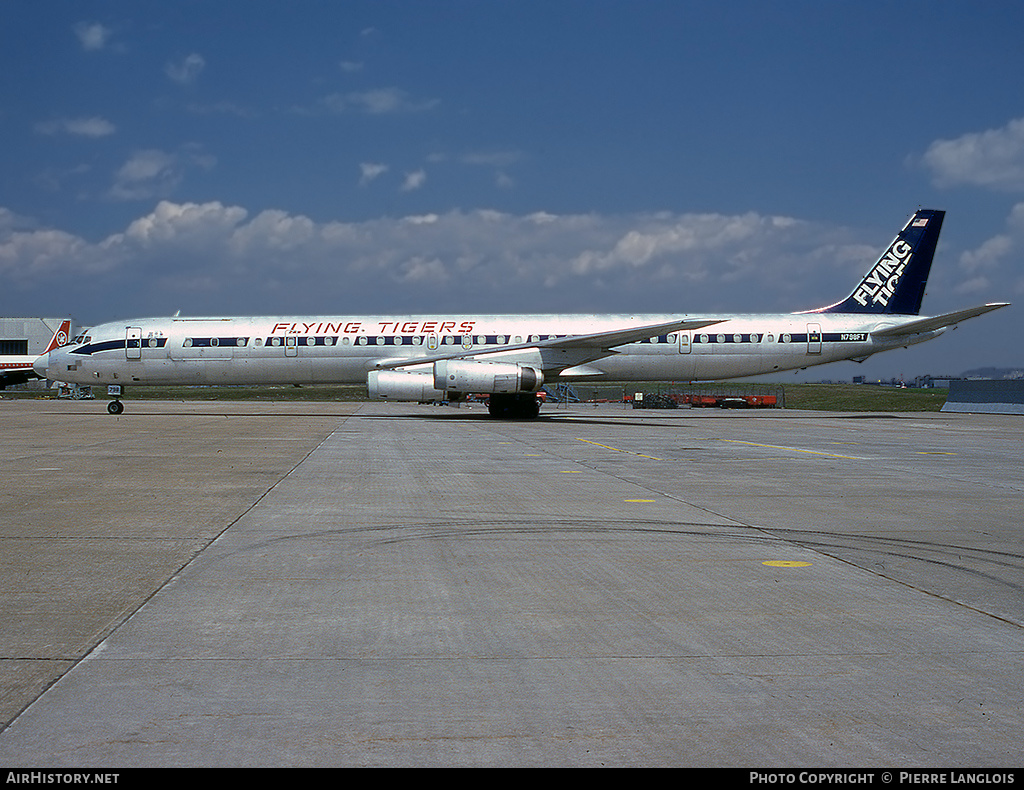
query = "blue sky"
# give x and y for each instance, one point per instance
(395, 157)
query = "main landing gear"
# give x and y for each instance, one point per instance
(514, 407)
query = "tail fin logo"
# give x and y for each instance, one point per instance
(60, 337)
(896, 281)
(882, 281)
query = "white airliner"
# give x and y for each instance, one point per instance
(18, 368)
(510, 357)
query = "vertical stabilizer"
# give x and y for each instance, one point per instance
(895, 284)
(60, 337)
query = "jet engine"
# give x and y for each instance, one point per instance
(401, 385)
(458, 375)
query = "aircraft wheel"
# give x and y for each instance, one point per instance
(115, 407)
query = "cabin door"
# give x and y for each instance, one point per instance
(814, 338)
(133, 342)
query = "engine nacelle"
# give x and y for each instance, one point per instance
(458, 375)
(401, 385)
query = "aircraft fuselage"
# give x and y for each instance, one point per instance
(329, 349)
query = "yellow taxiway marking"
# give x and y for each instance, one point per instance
(786, 563)
(572, 471)
(796, 450)
(639, 500)
(618, 450)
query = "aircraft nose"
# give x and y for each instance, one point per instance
(41, 365)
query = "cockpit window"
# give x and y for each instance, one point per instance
(83, 338)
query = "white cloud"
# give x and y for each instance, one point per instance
(379, 101)
(275, 231)
(992, 159)
(145, 174)
(11, 222)
(414, 180)
(53, 179)
(370, 171)
(41, 255)
(208, 226)
(215, 257)
(84, 127)
(92, 35)
(663, 237)
(186, 70)
(153, 173)
(981, 266)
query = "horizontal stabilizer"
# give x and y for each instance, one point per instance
(937, 322)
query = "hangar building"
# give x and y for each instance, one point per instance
(27, 338)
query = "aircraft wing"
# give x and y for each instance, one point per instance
(937, 322)
(563, 352)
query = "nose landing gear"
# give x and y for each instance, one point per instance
(115, 406)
